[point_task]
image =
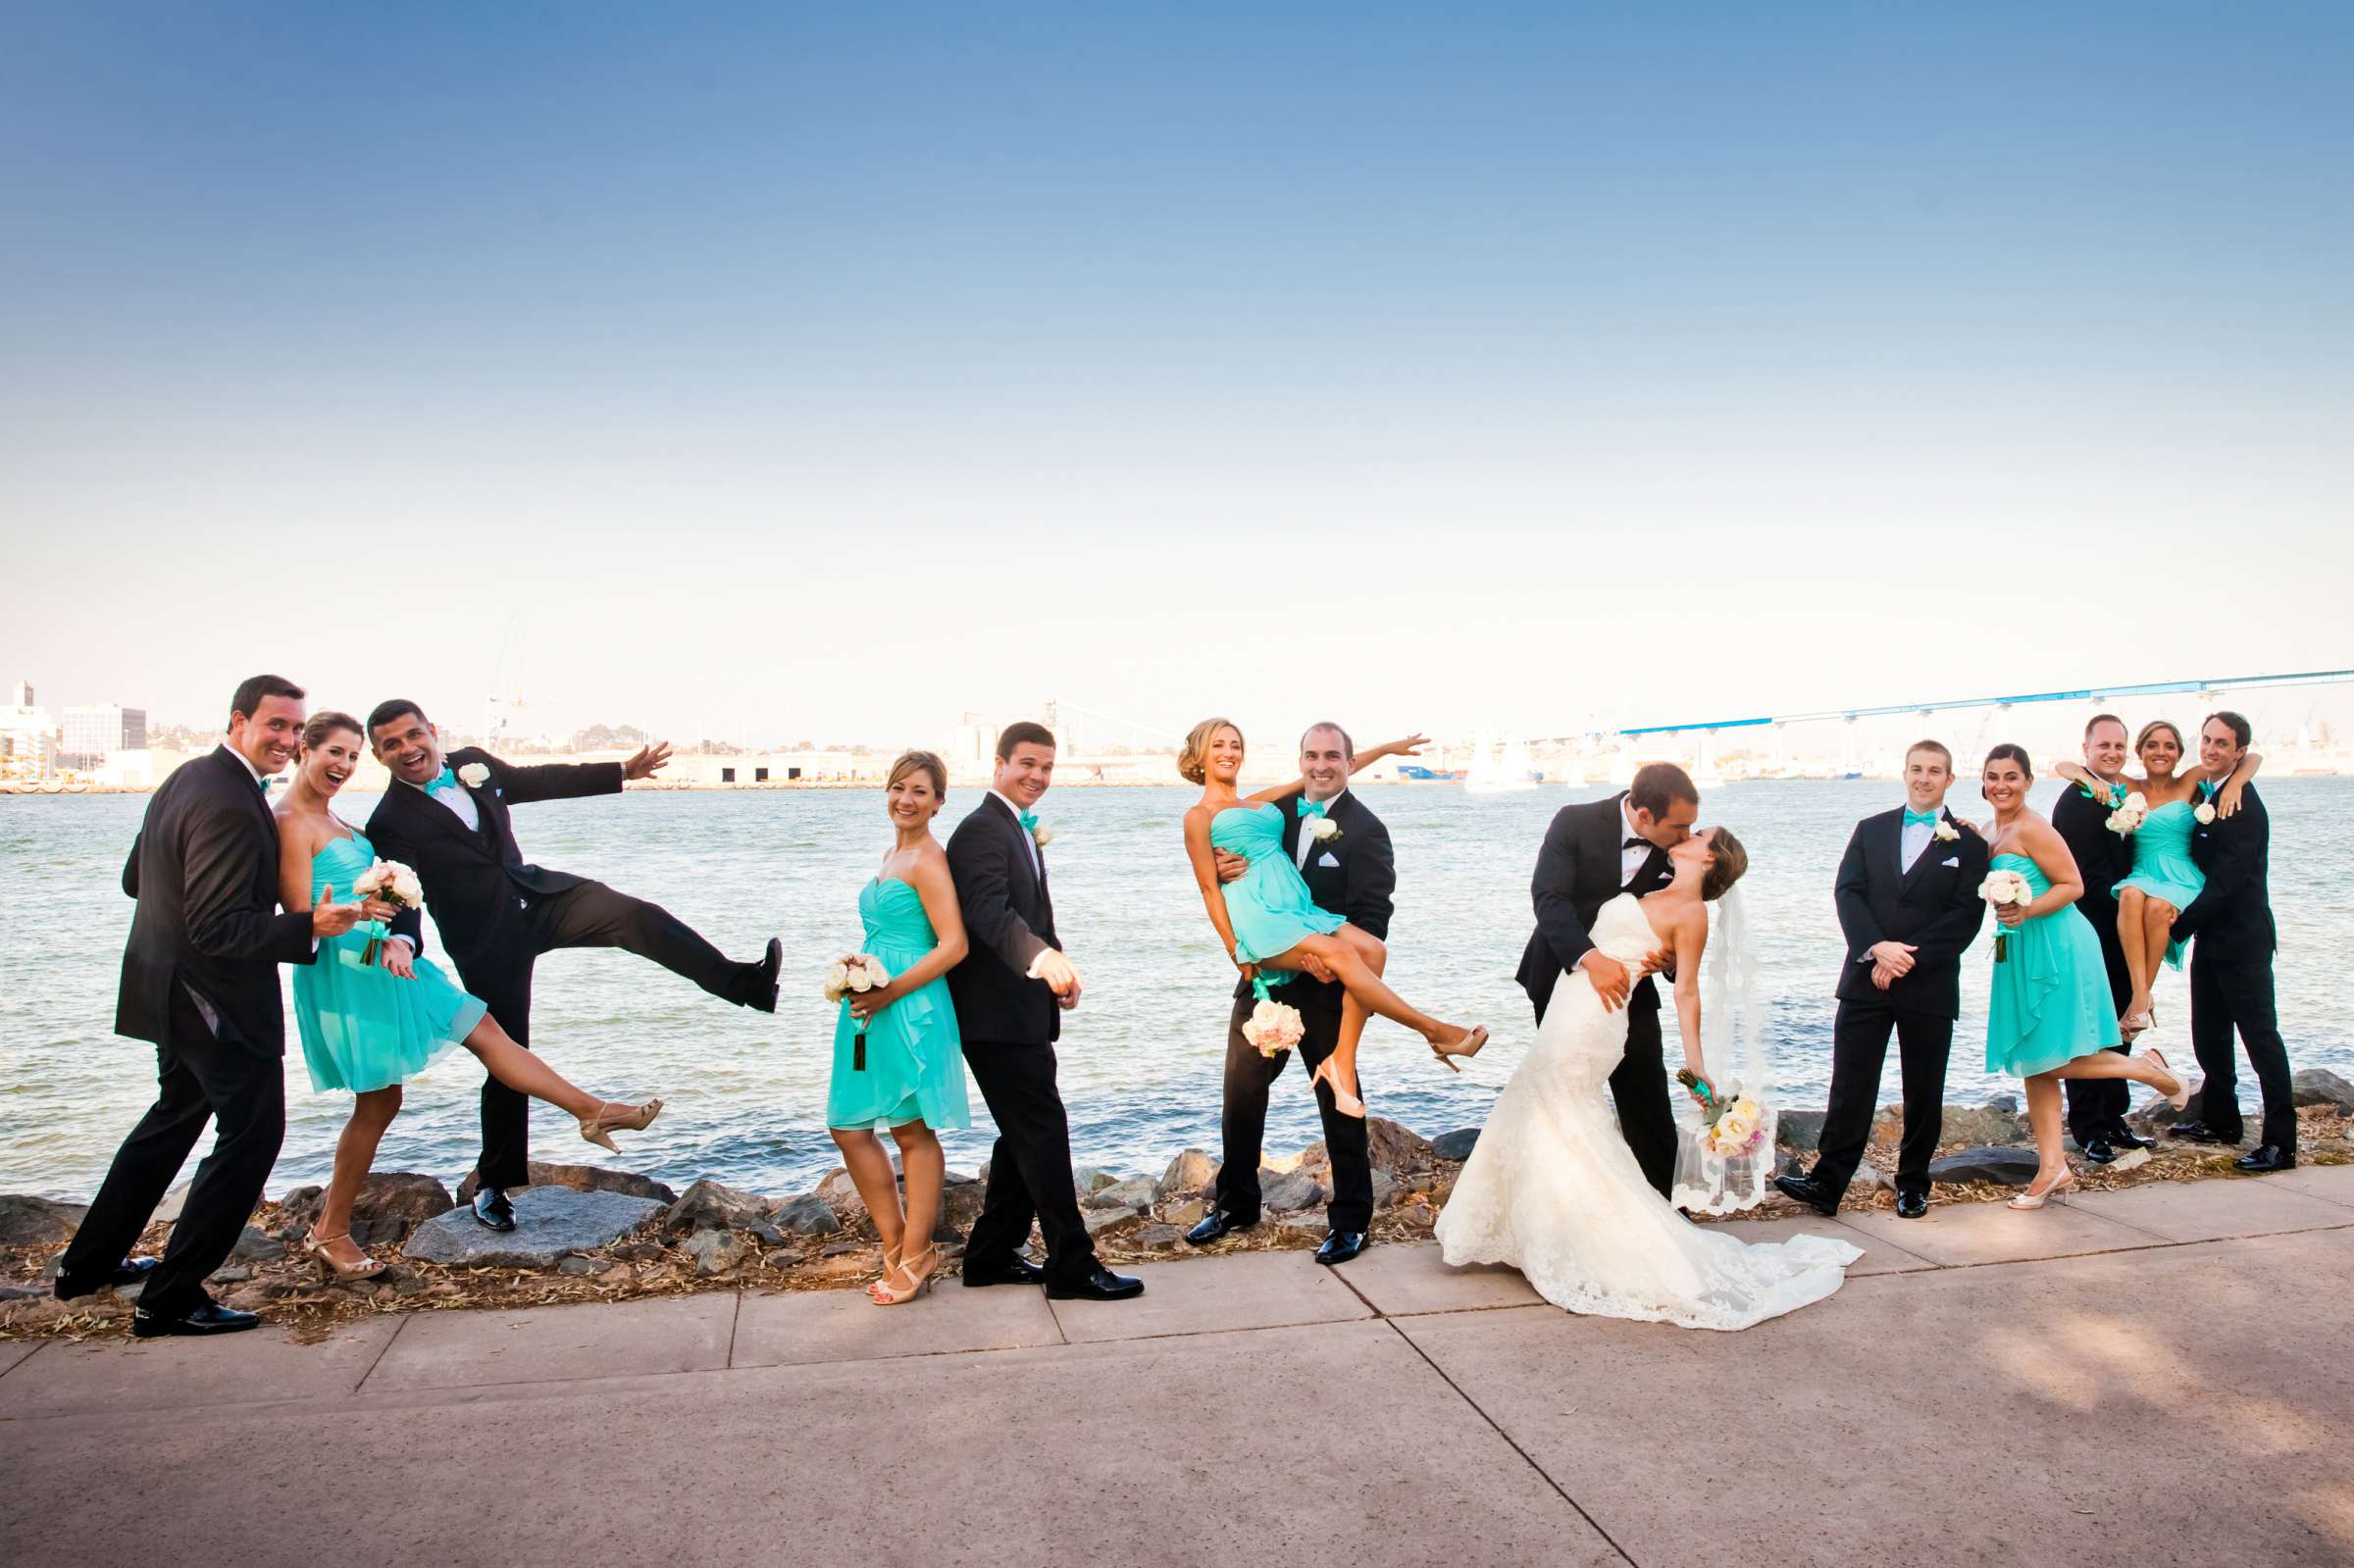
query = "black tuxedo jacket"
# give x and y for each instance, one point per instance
(1009, 914)
(204, 869)
(1936, 906)
(2104, 858)
(473, 882)
(1577, 872)
(2232, 916)
(1357, 886)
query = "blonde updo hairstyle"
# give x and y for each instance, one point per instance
(1192, 763)
(923, 762)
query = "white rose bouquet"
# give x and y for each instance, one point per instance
(1274, 1026)
(387, 881)
(2131, 813)
(854, 974)
(2004, 887)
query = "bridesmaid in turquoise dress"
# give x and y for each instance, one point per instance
(368, 1026)
(2050, 1015)
(898, 1061)
(2165, 878)
(1272, 926)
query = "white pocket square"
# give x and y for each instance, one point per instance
(1325, 859)
(1956, 861)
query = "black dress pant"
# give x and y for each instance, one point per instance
(2098, 1105)
(1243, 1119)
(2227, 995)
(1639, 1088)
(1858, 1054)
(243, 1090)
(1029, 1165)
(590, 915)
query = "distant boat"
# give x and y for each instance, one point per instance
(1421, 775)
(1509, 774)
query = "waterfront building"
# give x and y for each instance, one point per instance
(95, 732)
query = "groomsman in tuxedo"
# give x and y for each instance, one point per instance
(447, 819)
(1592, 853)
(1010, 994)
(1908, 898)
(200, 982)
(2229, 926)
(2096, 1106)
(1352, 874)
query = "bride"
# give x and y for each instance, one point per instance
(1552, 1191)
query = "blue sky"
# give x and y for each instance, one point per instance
(782, 371)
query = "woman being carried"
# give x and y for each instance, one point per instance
(2165, 878)
(1272, 926)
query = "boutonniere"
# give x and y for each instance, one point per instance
(1945, 832)
(473, 776)
(1324, 830)
(1041, 835)
(2203, 813)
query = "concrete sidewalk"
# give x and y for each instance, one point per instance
(2150, 1375)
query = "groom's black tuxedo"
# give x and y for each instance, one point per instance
(1009, 1023)
(499, 913)
(1352, 876)
(1934, 906)
(1578, 871)
(200, 981)
(2231, 973)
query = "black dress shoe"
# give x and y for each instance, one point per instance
(1014, 1271)
(2122, 1136)
(131, 1271)
(1340, 1246)
(2268, 1157)
(493, 1211)
(771, 964)
(2097, 1150)
(1803, 1189)
(2199, 1133)
(1214, 1223)
(205, 1318)
(1912, 1205)
(1100, 1286)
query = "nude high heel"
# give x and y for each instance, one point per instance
(1343, 1101)
(886, 1295)
(316, 1247)
(2180, 1102)
(1468, 1045)
(599, 1129)
(2050, 1195)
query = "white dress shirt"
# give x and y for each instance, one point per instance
(1037, 867)
(1916, 839)
(458, 801)
(1630, 861)
(1309, 840)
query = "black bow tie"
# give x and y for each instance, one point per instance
(1636, 843)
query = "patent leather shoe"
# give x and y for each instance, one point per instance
(493, 1211)
(208, 1317)
(2197, 1133)
(1100, 1286)
(2097, 1150)
(1215, 1224)
(1016, 1270)
(764, 986)
(131, 1271)
(2267, 1158)
(1804, 1189)
(1340, 1246)
(1912, 1205)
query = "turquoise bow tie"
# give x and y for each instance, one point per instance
(266, 783)
(1029, 821)
(446, 779)
(1920, 819)
(1309, 808)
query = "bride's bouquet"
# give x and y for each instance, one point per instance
(1273, 1027)
(2131, 813)
(854, 974)
(1726, 1155)
(1729, 1124)
(391, 883)
(2004, 887)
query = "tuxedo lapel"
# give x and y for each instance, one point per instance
(1029, 861)
(256, 797)
(1930, 853)
(438, 820)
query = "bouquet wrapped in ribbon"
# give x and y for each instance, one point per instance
(391, 883)
(1273, 1027)
(854, 974)
(2004, 887)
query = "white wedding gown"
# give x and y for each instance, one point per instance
(1552, 1191)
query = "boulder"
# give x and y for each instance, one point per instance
(1455, 1145)
(1868, 1178)
(1800, 1130)
(1385, 1186)
(806, 1215)
(1190, 1175)
(1974, 1125)
(1098, 1221)
(28, 1221)
(1157, 1238)
(841, 1193)
(582, 1179)
(2012, 1167)
(1088, 1179)
(712, 1205)
(959, 1206)
(257, 1246)
(581, 1267)
(2318, 1086)
(390, 1205)
(715, 1251)
(2003, 1102)
(550, 1222)
(1291, 1191)
(1137, 1193)
(1393, 1146)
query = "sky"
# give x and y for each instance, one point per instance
(777, 372)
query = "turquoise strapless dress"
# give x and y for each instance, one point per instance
(2051, 1001)
(362, 1026)
(914, 1066)
(2162, 863)
(1268, 906)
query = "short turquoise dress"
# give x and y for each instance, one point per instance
(2162, 863)
(2051, 1001)
(912, 1067)
(1268, 906)
(363, 1027)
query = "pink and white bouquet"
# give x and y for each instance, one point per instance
(1273, 1027)
(391, 883)
(2131, 813)
(1729, 1124)
(854, 974)
(2004, 887)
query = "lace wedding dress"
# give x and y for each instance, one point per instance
(1551, 1190)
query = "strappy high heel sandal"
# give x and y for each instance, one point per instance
(599, 1129)
(316, 1247)
(886, 1295)
(2181, 1102)
(1345, 1103)
(1468, 1045)
(890, 1266)
(2031, 1199)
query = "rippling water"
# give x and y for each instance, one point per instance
(1141, 1058)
